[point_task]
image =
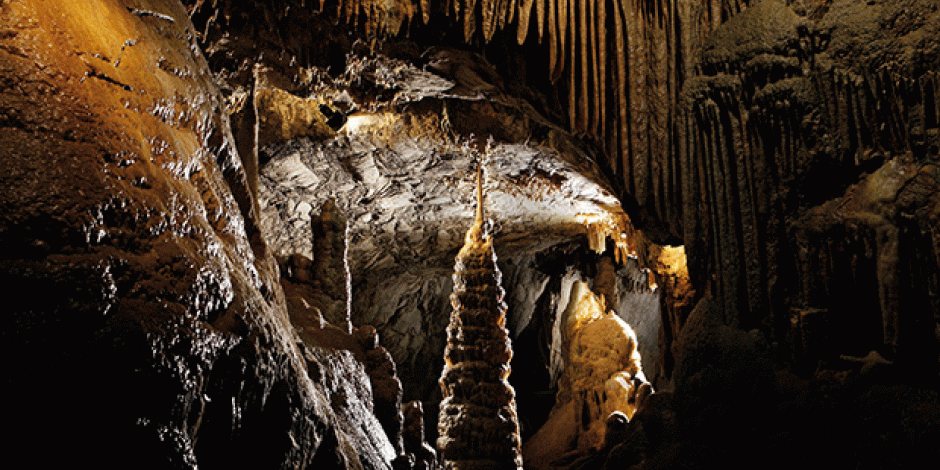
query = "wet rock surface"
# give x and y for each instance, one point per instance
(157, 334)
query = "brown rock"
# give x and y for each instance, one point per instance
(283, 116)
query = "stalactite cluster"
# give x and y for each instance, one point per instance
(763, 136)
(380, 17)
(477, 424)
(620, 64)
(615, 226)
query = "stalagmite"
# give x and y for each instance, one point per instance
(477, 424)
(330, 270)
(603, 376)
(425, 458)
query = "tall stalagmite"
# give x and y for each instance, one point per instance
(330, 236)
(477, 425)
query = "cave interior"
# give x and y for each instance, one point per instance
(471, 234)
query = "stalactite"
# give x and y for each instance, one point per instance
(469, 19)
(540, 8)
(525, 9)
(502, 13)
(477, 425)
(554, 43)
(489, 19)
(615, 226)
(602, 83)
(583, 101)
(426, 11)
(639, 108)
(572, 61)
(621, 87)
(641, 81)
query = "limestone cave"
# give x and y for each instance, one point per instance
(471, 234)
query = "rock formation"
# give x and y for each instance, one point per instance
(331, 280)
(386, 387)
(423, 455)
(776, 158)
(477, 424)
(144, 303)
(790, 119)
(602, 376)
(312, 287)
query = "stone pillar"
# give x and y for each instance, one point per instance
(330, 274)
(477, 425)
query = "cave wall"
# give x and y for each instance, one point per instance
(789, 118)
(145, 325)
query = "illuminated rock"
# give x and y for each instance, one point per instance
(283, 116)
(477, 424)
(160, 336)
(603, 375)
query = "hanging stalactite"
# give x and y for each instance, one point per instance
(613, 59)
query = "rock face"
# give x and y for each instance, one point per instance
(403, 227)
(145, 309)
(618, 67)
(406, 111)
(794, 138)
(477, 425)
(880, 230)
